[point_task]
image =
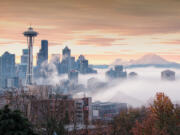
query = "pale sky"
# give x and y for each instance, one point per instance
(102, 30)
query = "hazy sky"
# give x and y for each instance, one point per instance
(102, 30)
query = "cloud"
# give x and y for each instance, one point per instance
(141, 90)
(121, 16)
(98, 41)
(135, 92)
(74, 21)
(171, 42)
(9, 41)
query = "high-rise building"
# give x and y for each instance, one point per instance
(68, 62)
(7, 68)
(73, 76)
(83, 110)
(13, 82)
(80, 58)
(168, 75)
(43, 53)
(24, 57)
(117, 72)
(83, 66)
(118, 68)
(64, 66)
(132, 75)
(22, 68)
(66, 53)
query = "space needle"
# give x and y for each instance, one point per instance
(30, 34)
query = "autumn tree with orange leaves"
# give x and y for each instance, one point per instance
(125, 121)
(162, 119)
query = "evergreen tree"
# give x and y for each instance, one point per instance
(14, 123)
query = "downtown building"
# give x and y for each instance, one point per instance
(106, 111)
(69, 63)
(42, 59)
(117, 73)
(42, 56)
(73, 76)
(62, 107)
(38, 102)
(168, 75)
(8, 71)
(22, 67)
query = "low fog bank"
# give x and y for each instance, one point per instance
(135, 92)
(140, 91)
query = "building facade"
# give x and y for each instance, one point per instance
(73, 76)
(168, 75)
(42, 56)
(117, 73)
(7, 68)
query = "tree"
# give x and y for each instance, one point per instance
(125, 121)
(14, 123)
(146, 127)
(177, 113)
(48, 116)
(163, 112)
(161, 120)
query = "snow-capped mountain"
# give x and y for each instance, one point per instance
(150, 59)
(147, 60)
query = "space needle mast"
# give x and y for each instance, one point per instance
(30, 34)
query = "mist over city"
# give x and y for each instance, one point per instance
(136, 91)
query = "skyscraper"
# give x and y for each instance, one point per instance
(43, 53)
(117, 73)
(73, 76)
(24, 57)
(66, 53)
(84, 66)
(67, 61)
(168, 75)
(22, 68)
(7, 68)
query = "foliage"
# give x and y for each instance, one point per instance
(124, 122)
(14, 123)
(162, 119)
(53, 125)
(50, 120)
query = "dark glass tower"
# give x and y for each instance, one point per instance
(43, 53)
(66, 53)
